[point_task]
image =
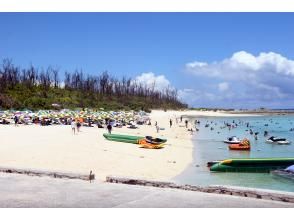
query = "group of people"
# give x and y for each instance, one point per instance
(171, 124)
(75, 125)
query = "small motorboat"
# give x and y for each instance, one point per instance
(274, 140)
(151, 140)
(243, 145)
(232, 140)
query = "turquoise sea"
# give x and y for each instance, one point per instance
(209, 146)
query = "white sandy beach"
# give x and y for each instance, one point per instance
(56, 148)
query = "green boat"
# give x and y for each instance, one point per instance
(252, 165)
(123, 138)
(132, 139)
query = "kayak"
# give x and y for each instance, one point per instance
(262, 165)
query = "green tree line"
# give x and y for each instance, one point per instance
(35, 88)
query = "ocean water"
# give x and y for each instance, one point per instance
(209, 146)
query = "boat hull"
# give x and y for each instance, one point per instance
(239, 147)
(123, 138)
(278, 142)
(133, 139)
(231, 142)
(250, 165)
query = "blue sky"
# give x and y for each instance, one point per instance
(164, 44)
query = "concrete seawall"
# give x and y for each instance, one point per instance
(227, 190)
(54, 174)
(47, 192)
(11, 178)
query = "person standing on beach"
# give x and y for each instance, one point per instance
(109, 128)
(170, 123)
(157, 128)
(78, 125)
(186, 122)
(73, 127)
(15, 120)
(181, 118)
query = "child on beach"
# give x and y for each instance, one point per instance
(170, 123)
(73, 127)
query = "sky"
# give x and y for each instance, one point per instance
(228, 60)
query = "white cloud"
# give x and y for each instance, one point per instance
(244, 64)
(191, 95)
(244, 78)
(224, 86)
(150, 80)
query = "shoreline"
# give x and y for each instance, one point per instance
(196, 113)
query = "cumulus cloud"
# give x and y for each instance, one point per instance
(224, 86)
(150, 80)
(248, 78)
(244, 63)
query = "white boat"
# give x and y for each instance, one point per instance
(275, 140)
(232, 140)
